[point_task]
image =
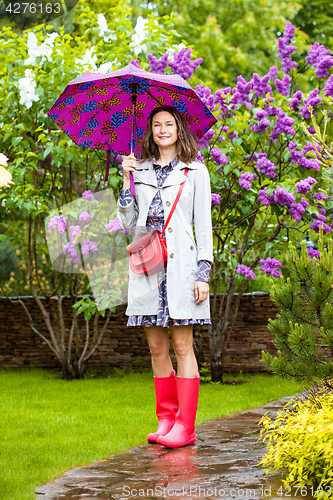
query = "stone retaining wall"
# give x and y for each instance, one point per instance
(121, 345)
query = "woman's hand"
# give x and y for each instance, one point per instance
(129, 165)
(201, 290)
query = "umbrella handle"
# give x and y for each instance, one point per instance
(132, 184)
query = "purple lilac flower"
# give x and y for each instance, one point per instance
(220, 97)
(273, 72)
(316, 54)
(317, 223)
(75, 231)
(40, 171)
(313, 253)
(265, 166)
(118, 158)
(310, 147)
(182, 64)
(263, 123)
(87, 195)
(328, 88)
(297, 209)
(114, 225)
(296, 100)
(241, 92)
(218, 157)
(205, 94)
(265, 200)
(283, 125)
(272, 111)
(319, 196)
(310, 163)
(284, 50)
(158, 65)
(216, 199)
(59, 222)
(136, 63)
(71, 251)
(260, 85)
(267, 266)
(84, 216)
(200, 157)
(312, 130)
(324, 66)
(311, 100)
(320, 58)
(205, 140)
(304, 185)
(246, 271)
(221, 138)
(125, 231)
(244, 180)
(88, 245)
(282, 197)
(282, 86)
(299, 156)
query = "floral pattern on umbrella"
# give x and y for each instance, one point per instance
(95, 110)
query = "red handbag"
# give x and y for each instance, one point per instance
(148, 254)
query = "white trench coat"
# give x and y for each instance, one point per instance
(184, 253)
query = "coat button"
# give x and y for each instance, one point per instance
(168, 203)
(171, 255)
(192, 247)
(170, 229)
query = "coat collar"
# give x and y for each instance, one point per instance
(145, 173)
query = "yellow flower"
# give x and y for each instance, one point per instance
(5, 177)
(3, 160)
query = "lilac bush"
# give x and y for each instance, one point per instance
(266, 176)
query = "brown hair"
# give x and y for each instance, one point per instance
(187, 144)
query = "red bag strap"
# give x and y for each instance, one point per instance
(175, 202)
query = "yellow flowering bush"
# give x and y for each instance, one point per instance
(300, 442)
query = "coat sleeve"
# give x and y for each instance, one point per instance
(202, 214)
(128, 214)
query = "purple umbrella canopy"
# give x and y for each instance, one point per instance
(99, 110)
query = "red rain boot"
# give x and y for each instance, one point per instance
(166, 405)
(183, 432)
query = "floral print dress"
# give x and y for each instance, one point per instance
(155, 220)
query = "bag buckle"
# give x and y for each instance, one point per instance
(141, 251)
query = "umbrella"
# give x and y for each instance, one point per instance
(110, 111)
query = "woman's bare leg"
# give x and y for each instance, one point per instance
(182, 341)
(159, 344)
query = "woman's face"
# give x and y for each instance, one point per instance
(164, 129)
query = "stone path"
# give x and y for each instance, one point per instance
(221, 465)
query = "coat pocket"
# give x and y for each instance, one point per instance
(191, 237)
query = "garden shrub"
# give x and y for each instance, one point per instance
(301, 443)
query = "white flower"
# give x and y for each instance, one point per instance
(45, 49)
(3, 160)
(102, 24)
(105, 68)
(27, 87)
(5, 178)
(88, 61)
(139, 36)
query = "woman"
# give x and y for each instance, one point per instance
(177, 297)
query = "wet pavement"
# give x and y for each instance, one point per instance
(223, 464)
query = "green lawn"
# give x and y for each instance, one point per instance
(48, 425)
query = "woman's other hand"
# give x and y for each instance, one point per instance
(201, 290)
(128, 165)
